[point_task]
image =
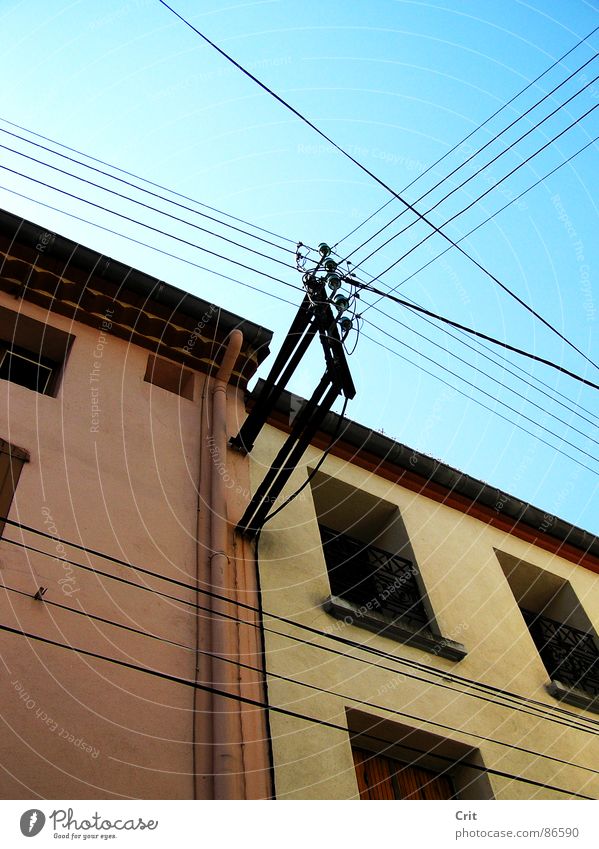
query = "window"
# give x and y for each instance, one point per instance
(373, 575)
(397, 761)
(11, 463)
(32, 354)
(170, 376)
(20, 366)
(380, 777)
(560, 630)
(373, 578)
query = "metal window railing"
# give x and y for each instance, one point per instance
(373, 579)
(570, 655)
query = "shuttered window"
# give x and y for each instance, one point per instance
(383, 778)
(11, 463)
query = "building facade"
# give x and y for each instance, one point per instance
(399, 630)
(427, 636)
(120, 575)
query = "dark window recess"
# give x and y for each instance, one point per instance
(570, 655)
(11, 464)
(32, 353)
(372, 578)
(170, 376)
(383, 778)
(28, 369)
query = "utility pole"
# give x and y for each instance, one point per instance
(321, 314)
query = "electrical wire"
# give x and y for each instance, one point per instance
(480, 335)
(154, 248)
(377, 179)
(472, 133)
(270, 674)
(486, 375)
(541, 708)
(497, 401)
(497, 212)
(143, 224)
(469, 206)
(259, 704)
(142, 179)
(315, 470)
(483, 167)
(149, 207)
(256, 289)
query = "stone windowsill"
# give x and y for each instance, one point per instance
(394, 629)
(573, 696)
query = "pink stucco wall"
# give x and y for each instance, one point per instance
(121, 481)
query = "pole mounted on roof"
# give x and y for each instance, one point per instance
(322, 313)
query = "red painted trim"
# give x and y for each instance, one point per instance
(442, 495)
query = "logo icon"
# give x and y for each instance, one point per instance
(32, 822)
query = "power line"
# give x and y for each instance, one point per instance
(485, 374)
(148, 206)
(469, 206)
(143, 224)
(154, 248)
(479, 171)
(473, 132)
(540, 708)
(494, 214)
(488, 394)
(195, 264)
(476, 153)
(271, 674)
(371, 174)
(480, 335)
(255, 702)
(143, 180)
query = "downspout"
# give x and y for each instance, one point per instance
(227, 763)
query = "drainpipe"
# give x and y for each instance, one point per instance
(227, 763)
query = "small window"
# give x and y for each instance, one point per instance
(32, 354)
(560, 629)
(11, 464)
(170, 376)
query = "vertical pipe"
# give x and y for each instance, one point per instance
(227, 763)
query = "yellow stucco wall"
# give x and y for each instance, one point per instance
(494, 700)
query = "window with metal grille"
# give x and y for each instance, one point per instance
(380, 777)
(560, 628)
(569, 654)
(373, 579)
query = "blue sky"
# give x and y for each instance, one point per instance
(397, 84)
